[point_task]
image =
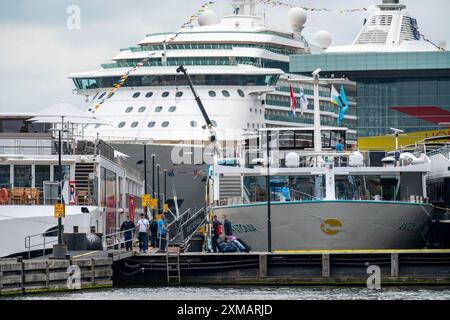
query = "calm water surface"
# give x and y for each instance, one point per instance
(254, 293)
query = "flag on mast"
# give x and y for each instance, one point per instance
(293, 106)
(339, 99)
(303, 101)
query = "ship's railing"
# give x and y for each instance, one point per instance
(445, 151)
(190, 227)
(42, 244)
(115, 239)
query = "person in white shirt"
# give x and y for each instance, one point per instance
(143, 226)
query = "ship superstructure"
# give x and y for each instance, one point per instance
(239, 66)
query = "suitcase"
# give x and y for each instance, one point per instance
(242, 245)
(227, 248)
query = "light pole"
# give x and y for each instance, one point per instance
(153, 183)
(165, 186)
(60, 250)
(158, 168)
(145, 177)
(60, 237)
(269, 204)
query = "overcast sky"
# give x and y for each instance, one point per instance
(37, 51)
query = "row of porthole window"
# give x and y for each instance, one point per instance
(164, 124)
(255, 126)
(179, 94)
(165, 94)
(256, 111)
(157, 109)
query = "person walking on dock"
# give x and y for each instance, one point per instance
(162, 233)
(127, 228)
(216, 232)
(143, 227)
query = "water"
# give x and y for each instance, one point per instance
(254, 293)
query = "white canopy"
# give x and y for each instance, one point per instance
(67, 113)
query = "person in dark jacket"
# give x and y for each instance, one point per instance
(216, 232)
(127, 228)
(154, 233)
(228, 229)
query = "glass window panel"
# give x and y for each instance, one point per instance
(65, 173)
(5, 174)
(41, 175)
(22, 176)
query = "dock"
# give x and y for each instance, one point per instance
(46, 275)
(333, 268)
(118, 268)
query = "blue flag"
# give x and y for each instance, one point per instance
(339, 99)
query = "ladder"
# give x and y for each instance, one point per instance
(173, 268)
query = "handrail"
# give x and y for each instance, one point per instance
(179, 218)
(194, 216)
(44, 243)
(438, 151)
(305, 194)
(117, 239)
(117, 235)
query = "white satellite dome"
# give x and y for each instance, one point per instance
(297, 18)
(208, 18)
(292, 160)
(323, 39)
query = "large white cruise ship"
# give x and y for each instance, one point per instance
(239, 67)
(389, 28)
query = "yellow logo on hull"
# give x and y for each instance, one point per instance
(331, 227)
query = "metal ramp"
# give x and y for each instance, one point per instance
(184, 227)
(173, 268)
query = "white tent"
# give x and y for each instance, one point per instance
(66, 113)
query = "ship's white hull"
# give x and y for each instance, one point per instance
(19, 222)
(330, 225)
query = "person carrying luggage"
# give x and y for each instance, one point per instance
(227, 227)
(216, 232)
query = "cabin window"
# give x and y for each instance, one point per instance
(42, 174)
(65, 172)
(136, 95)
(151, 124)
(226, 93)
(172, 109)
(129, 110)
(134, 124)
(165, 124)
(165, 94)
(142, 109)
(179, 94)
(241, 93)
(194, 124)
(212, 93)
(149, 95)
(121, 125)
(214, 123)
(158, 109)
(5, 173)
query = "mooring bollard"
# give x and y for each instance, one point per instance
(395, 265)
(326, 265)
(263, 266)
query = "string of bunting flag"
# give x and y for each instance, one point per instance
(277, 3)
(142, 62)
(429, 41)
